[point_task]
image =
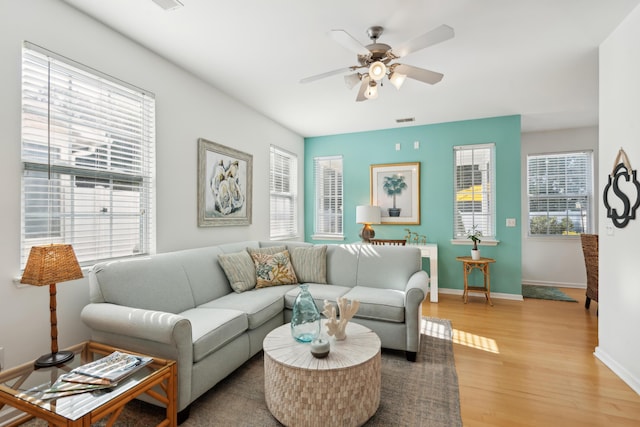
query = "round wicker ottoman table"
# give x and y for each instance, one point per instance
(342, 389)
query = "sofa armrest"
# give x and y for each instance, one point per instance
(166, 328)
(416, 289)
(415, 293)
(151, 332)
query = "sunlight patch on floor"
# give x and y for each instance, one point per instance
(475, 341)
(436, 330)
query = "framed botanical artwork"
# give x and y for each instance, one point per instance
(395, 188)
(225, 178)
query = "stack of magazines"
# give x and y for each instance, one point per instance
(100, 374)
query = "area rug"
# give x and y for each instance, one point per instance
(545, 292)
(422, 393)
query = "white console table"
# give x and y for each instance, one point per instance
(430, 250)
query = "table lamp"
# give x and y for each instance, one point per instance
(48, 265)
(367, 215)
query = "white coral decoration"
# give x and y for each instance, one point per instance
(347, 311)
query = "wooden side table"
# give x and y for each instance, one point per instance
(469, 265)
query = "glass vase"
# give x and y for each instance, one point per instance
(305, 322)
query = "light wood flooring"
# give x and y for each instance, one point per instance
(531, 363)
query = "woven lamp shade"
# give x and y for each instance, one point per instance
(49, 264)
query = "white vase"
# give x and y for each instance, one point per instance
(475, 254)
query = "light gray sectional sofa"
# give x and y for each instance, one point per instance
(181, 305)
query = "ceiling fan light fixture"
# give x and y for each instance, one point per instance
(352, 80)
(377, 70)
(372, 90)
(397, 79)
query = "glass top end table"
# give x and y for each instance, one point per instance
(20, 388)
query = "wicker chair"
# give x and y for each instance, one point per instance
(590, 251)
(392, 242)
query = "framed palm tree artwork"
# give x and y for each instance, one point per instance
(395, 188)
(225, 178)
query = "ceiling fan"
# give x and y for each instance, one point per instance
(377, 59)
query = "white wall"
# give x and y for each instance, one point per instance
(619, 281)
(548, 260)
(187, 109)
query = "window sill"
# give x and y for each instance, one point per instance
(285, 238)
(467, 242)
(327, 237)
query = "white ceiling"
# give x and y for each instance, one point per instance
(537, 58)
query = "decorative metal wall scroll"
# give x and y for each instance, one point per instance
(624, 184)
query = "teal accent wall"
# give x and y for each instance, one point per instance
(435, 154)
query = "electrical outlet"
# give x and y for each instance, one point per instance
(1, 358)
(511, 222)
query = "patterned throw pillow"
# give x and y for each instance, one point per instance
(273, 270)
(239, 270)
(310, 264)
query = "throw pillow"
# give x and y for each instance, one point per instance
(270, 250)
(239, 269)
(310, 264)
(273, 270)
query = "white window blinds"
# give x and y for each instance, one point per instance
(88, 159)
(474, 194)
(328, 179)
(283, 185)
(559, 191)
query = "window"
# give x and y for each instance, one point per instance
(474, 190)
(283, 185)
(559, 188)
(328, 179)
(88, 159)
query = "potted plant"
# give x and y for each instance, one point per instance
(474, 234)
(393, 186)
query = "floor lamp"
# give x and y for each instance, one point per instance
(48, 265)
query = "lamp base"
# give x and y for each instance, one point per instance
(367, 233)
(53, 359)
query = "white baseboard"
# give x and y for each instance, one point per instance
(556, 284)
(618, 369)
(496, 295)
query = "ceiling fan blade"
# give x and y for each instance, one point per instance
(347, 41)
(435, 36)
(425, 76)
(327, 74)
(363, 87)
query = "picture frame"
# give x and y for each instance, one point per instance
(225, 179)
(395, 188)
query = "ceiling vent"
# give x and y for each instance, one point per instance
(406, 120)
(168, 4)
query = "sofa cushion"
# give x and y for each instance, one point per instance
(342, 264)
(206, 277)
(239, 269)
(398, 263)
(153, 283)
(260, 305)
(273, 270)
(310, 263)
(213, 328)
(319, 292)
(378, 304)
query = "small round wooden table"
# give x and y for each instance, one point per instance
(342, 389)
(482, 264)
